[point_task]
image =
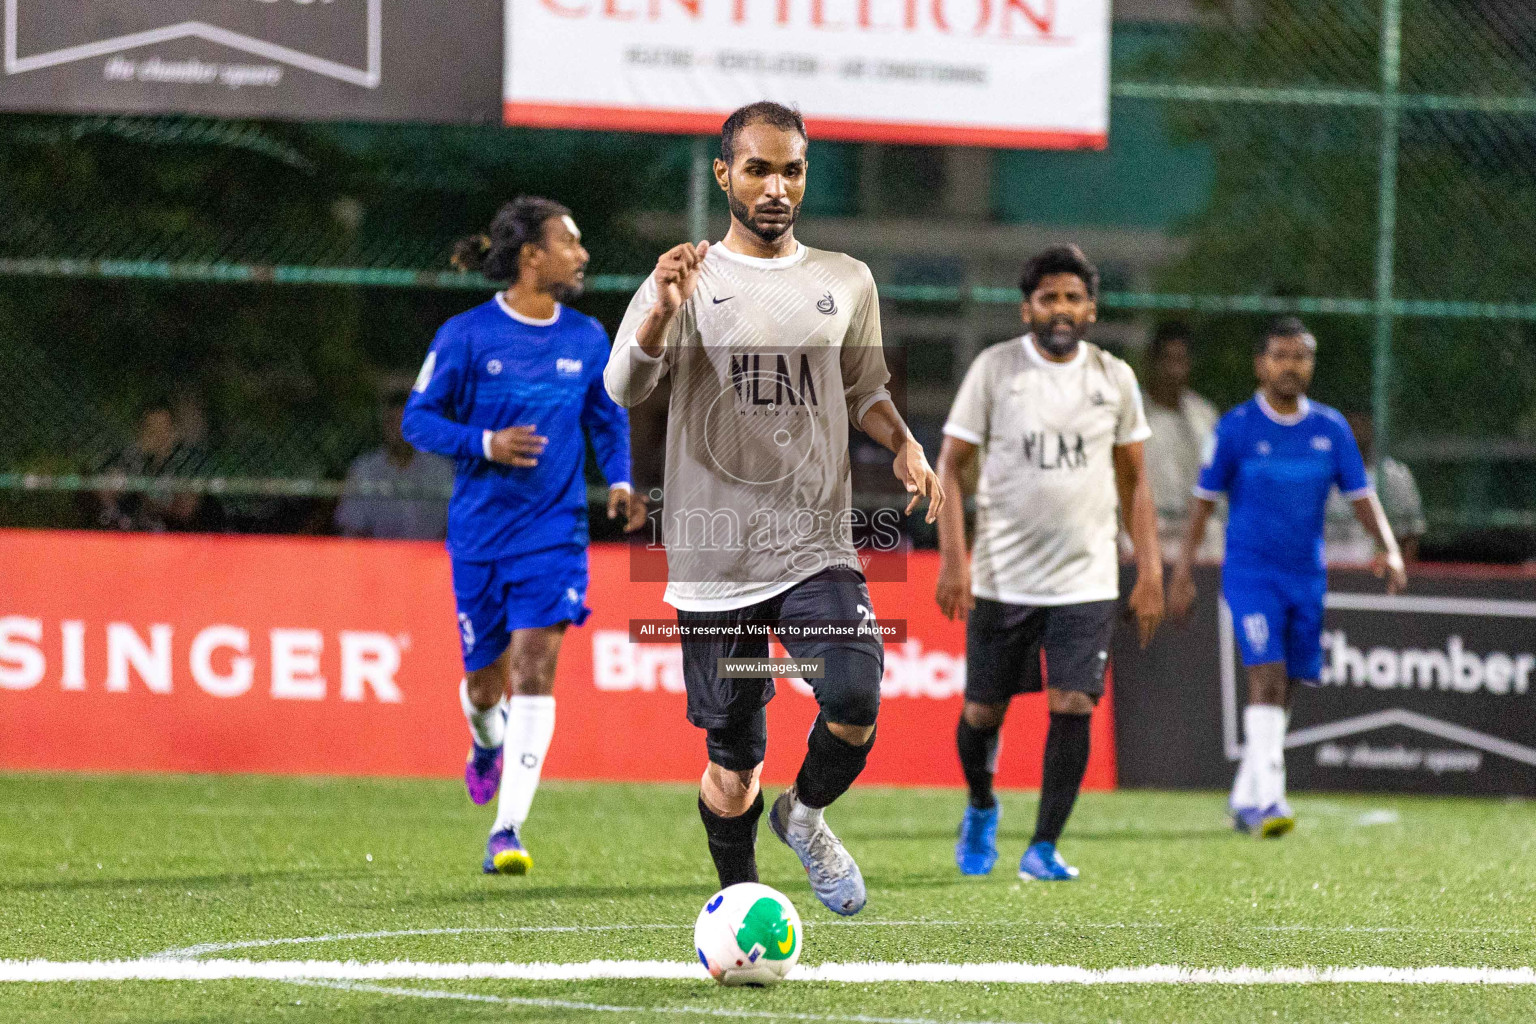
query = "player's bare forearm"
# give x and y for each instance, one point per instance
(1140, 512)
(652, 335)
(955, 459)
(953, 591)
(883, 423)
(1181, 591)
(1146, 599)
(1390, 564)
(1199, 515)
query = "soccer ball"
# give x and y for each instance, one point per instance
(748, 934)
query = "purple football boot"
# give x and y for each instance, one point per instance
(482, 772)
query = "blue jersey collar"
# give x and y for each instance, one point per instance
(1303, 407)
(506, 308)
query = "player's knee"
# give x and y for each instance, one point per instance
(853, 735)
(729, 792)
(537, 681)
(849, 692)
(984, 716)
(485, 686)
(1071, 702)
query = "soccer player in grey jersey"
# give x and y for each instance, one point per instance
(1060, 423)
(773, 350)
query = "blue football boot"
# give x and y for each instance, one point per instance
(835, 877)
(1246, 820)
(504, 854)
(1042, 863)
(976, 849)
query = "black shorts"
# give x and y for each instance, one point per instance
(1013, 648)
(731, 710)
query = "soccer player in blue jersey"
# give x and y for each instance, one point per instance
(1276, 457)
(511, 390)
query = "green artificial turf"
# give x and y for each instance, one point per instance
(123, 867)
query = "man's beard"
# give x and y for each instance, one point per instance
(767, 232)
(1058, 335)
(568, 292)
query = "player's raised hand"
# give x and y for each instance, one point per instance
(627, 503)
(1147, 605)
(677, 274)
(1181, 593)
(517, 446)
(954, 590)
(912, 469)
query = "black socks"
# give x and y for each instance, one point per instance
(1066, 759)
(830, 766)
(733, 842)
(978, 760)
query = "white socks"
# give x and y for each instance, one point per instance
(488, 727)
(1260, 779)
(803, 820)
(530, 727)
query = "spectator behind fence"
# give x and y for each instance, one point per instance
(426, 479)
(1346, 541)
(159, 450)
(1182, 423)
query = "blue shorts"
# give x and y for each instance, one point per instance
(1278, 616)
(544, 588)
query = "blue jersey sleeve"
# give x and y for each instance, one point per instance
(1349, 468)
(1220, 462)
(607, 424)
(432, 413)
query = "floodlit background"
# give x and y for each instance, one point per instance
(268, 280)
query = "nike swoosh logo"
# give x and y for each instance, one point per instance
(788, 944)
(728, 298)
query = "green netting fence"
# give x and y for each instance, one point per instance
(1370, 164)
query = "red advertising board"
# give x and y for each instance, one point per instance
(328, 656)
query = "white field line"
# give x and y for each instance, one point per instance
(859, 973)
(204, 948)
(571, 1004)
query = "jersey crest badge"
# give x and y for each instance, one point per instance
(827, 304)
(1322, 443)
(493, 367)
(568, 367)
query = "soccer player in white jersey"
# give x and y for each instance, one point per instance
(1060, 426)
(773, 350)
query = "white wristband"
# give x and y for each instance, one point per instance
(1395, 561)
(485, 445)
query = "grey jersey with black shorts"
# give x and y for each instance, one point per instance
(1044, 569)
(770, 361)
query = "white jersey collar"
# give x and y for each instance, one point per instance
(501, 300)
(777, 263)
(1302, 408)
(1028, 341)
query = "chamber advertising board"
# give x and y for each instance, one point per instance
(1430, 691)
(294, 59)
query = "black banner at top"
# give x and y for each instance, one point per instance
(406, 60)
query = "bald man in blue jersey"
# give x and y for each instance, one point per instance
(511, 390)
(1276, 458)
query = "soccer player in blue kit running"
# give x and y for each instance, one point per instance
(1276, 457)
(508, 391)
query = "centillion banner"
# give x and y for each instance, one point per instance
(997, 73)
